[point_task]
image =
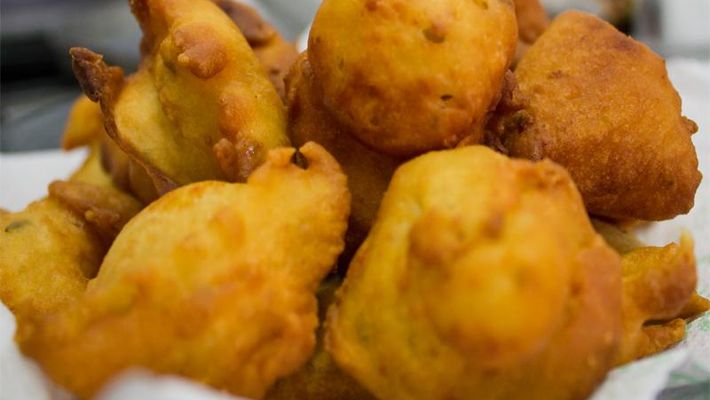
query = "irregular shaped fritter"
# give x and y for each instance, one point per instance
(47, 256)
(50, 250)
(658, 282)
(368, 172)
(275, 54)
(532, 19)
(320, 379)
(214, 281)
(407, 76)
(532, 22)
(200, 92)
(658, 292)
(488, 282)
(602, 106)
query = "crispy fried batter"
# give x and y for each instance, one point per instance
(407, 76)
(213, 281)
(463, 310)
(368, 172)
(47, 256)
(107, 164)
(275, 54)
(210, 111)
(532, 20)
(105, 208)
(602, 106)
(658, 292)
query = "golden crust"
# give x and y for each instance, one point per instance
(658, 291)
(408, 76)
(602, 106)
(225, 296)
(463, 309)
(47, 256)
(275, 54)
(189, 93)
(532, 19)
(368, 172)
(105, 208)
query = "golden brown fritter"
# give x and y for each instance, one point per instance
(275, 54)
(487, 282)
(213, 281)
(47, 256)
(368, 172)
(532, 20)
(602, 106)
(50, 250)
(658, 282)
(320, 379)
(408, 76)
(658, 292)
(200, 92)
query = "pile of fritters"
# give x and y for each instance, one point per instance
(429, 236)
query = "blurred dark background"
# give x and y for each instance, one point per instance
(37, 86)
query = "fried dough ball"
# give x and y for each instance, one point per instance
(275, 54)
(408, 76)
(47, 256)
(602, 106)
(320, 379)
(213, 281)
(487, 282)
(368, 172)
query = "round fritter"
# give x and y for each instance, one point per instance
(602, 106)
(482, 278)
(407, 76)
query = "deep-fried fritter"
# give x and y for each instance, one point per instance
(532, 20)
(658, 292)
(213, 281)
(489, 283)
(275, 54)
(200, 93)
(47, 256)
(368, 172)
(602, 106)
(50, 250)
(658, 282)
(407, 76)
